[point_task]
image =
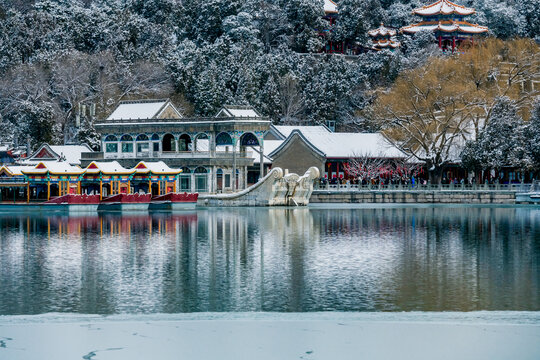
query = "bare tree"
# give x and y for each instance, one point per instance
(367, 166)
(498, 68)
(291, 100)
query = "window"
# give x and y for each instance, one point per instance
(111, 147)
(142, 147)
(127, 144)
(156, 147)
(127, 147)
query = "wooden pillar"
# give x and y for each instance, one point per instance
(440, 42)
(129, 187)
(79, 187)
(100, 190)
(453, 43)
(174, 184)
(159, 187)
(150, 186)
(48, 190)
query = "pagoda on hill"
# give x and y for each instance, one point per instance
(446, 20)
(382, 38)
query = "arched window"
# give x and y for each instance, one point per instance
(201, 179)
(142, 145)
(185, 179)
(184, 143)
(248, 139)
(155, 143)
(219, 180)
(111, 144)
(223, 139)
(201, 142)
(127, 144)
(168, 143)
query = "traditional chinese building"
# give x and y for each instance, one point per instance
(383, 38)
(347, 47)
(214, 153)
(68, 153)
(13, 184)
(50, 179)
(297, 148)
(447, 21)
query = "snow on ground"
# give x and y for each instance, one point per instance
(475, 335)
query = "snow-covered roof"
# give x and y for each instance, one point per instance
(15, 170)
(269, 147)
(158, 167)
(444, 7)
(68, 153)
(142, 109)
(237, 111)
(72, 153)
(446, 26)
(330, 7)
(107, 167)
(286, 130)
(345, 145)
(53, 167)
(382, 31)
(386, 43)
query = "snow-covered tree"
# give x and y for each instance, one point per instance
(531, 159)
(425, 114)
(356, 17)
(501, 143)
(501, 17)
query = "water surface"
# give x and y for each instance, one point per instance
(431, 258)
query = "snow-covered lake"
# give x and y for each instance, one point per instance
(273, 336)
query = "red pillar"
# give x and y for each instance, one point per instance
(440, 42)
(453, 43)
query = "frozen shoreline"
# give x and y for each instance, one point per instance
(327, 335)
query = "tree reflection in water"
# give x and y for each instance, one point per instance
(399, 258)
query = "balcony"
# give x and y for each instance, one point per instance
(168, 155)
(92, 156)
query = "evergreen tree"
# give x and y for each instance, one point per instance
(501, 142)
(532, 140)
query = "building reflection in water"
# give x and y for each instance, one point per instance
(279, 259)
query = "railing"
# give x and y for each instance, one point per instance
(13, 180)
(182, 120)
(92, 155)
(425, 187)
(174, 155)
